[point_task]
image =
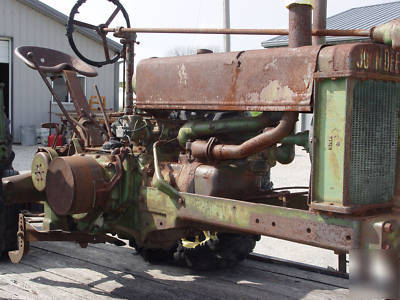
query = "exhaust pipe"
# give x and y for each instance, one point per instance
(206, 150)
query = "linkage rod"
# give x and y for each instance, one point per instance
(325, 32)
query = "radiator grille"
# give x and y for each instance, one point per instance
(374, 140)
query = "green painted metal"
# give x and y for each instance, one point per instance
(387, 33)
(300, 139)
(51, 221)
(196, 129)
(213, 212)
(285, 153)
(160, 182)
(356, 131)
(355, 141)
(2, 124)
(329, 141)
(4, 147)
(374, 139)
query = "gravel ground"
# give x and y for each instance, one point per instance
(294, 174)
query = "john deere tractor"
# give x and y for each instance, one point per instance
(184, 172)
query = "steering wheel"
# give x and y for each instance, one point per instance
(99, 30)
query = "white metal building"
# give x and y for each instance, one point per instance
(30, 22)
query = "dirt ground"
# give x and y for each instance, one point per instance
(294, 174)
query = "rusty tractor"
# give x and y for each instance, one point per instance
(185, 170)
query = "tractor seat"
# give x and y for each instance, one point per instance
(53, 61)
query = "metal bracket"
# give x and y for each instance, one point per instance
(23, 244)
(27, 233)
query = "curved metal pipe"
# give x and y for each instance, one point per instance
(197, 129)
(159, 182)
(203, 149)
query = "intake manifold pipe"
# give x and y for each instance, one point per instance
(209, 150)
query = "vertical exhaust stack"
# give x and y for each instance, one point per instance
(319, 20)
(300, 28)
(300, 34)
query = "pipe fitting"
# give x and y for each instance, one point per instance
(285, 154)
(195, 129)
(200, 149)
(388, 34)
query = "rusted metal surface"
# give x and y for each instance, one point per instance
(212, 151)
(381, 232)
(342, 209)
(129, 70)
(290, 224)
(23, 244)
(106, 121)
(159, 181)
(33, 59)
(72, 185)
(328, 32)
(92, 132)
(28, 233)
(299, 25)
(261, 80)
(324, 230)
(186, 175)
(77, 95)
(319, 20)
(218, 181)
(388, 34)
(20, 189)
(53, 61)
(362, 60)
(50, 62)
(312, 233)
(35, 235)
(197, 129)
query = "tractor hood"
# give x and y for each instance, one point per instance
(279, 79)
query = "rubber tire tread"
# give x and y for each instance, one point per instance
(153, 255)
(8, 227)
(226, 251)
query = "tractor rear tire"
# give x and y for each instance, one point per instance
(8, 227)
(224, 251)
(8, 221)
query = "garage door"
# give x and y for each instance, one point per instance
(4, 55)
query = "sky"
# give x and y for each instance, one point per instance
(195, 14)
